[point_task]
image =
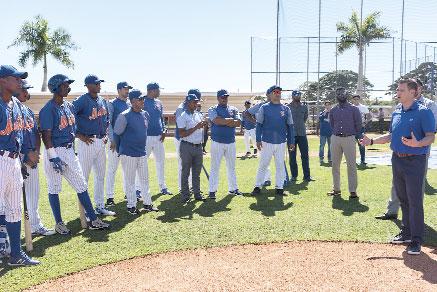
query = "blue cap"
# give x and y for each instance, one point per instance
(191, 97)
(25, 85)
(196, 92)
(56, 81)
(136, 93)
(8, 70)
(222, 92)
(296, 93)
(123, 84)
(152, 86)
(273, 87)
(92, 79)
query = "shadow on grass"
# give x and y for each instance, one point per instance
(361, 167)
(295, 189)
(210, 207)
(349, 207)
(174, 210)
(268, 203)
(424, 264)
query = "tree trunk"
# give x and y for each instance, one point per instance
(44, 82)
(360, 83)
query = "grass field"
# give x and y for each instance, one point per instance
(306, 213)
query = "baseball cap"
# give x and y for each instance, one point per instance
(56, 80)
(92, 79)
(296, 93)
(191, 97)
(123, 84)
(247, 102)
(9, 70)
(153, 85)
(273, 87)
(136, 93)
(222, 92)
(25, 84)
(196, 92)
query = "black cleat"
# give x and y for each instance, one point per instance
(110, 202)
(386, 216)
(133, 211)
(280, 192)
(150, 208)
(256, 191)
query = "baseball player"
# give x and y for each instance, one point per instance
(248, 126)
(274, 128)
(115, 107)
(30, 152)
(156, 133)
(11, 178)
(224, 119)
(92, 124)
(130, 131)
(58, 126)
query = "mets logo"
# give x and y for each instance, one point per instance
(95, 114)
(29, 124)
(65, 122)
(10, 127)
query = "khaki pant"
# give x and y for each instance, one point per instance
(346, 145)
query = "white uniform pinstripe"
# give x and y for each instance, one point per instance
(11, 193)
(278, 152)
(113, 161)
(135, 167)
(155, 146)
(249, 135)
(177, 144)
(31, 185)
(218, 150)
(72, 172)
(93, 156)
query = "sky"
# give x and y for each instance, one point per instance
(204, 44)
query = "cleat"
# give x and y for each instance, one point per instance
(133, 211)
(110, 202)
(267, 183)
(22, 260)
(280, 192)
(256, 191)
(212, 196)
(165, 192)
(105, 212)
(150, 208)
(235, 193)
(386, 216)
(414, 248)
(98, 224)
(62, 229)
(42, 231)
(400, 239)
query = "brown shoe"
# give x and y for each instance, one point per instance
(353, 195)
(334, 193)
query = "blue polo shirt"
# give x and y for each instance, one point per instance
(325, 127)
(155, 110)
(417, 119)
(219, 133)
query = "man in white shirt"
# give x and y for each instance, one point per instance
(365, 118)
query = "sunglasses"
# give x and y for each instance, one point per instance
(224, 96)
(276, 91)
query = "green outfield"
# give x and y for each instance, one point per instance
(306, 213)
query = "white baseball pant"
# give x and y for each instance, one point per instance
(249, 135)
(11, 193)
(93, 156)
(278, 152)
(218, 150)
(177, 144)
(31, 185)
(113, 161)
(155, 146)
(72, 172)
(135, 167)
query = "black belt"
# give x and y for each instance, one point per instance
(67, 145)
(12, 155)
(192, 144)
(406, 154)
(96, 136)
(342, 135)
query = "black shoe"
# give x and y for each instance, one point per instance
(110, 202)
(414, 248)
(280, 192)
(150, 208)
(199, 198)
(386, 216)
(401, 238)
(353, 195)
(267, 183)
(256, 191)
(248, 153)
(308, 179)
(212, 195)
(255, 151)
(133, 211)
(235, 193)
(363, 163)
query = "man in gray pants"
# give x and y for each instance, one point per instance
(190, 126)
(394, 203)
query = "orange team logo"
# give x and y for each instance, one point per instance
(95, 114)
(65, 122)
(10, 127)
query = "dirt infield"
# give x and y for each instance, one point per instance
(292, 266)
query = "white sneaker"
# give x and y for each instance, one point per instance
(98, 224)
(43, 231)
(105, 212)
(62, 229)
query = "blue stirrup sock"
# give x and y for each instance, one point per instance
(85, 200)
(14, 230)
(2, 231)
(56, 207)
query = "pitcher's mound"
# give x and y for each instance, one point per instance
(283, 266)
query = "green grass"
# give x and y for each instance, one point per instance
(305, 214)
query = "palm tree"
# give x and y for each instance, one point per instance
(40, 41)
(360, 34)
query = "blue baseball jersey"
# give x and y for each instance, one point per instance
(11, 125)
(131, 133)
(219, 133)
(177, 113)
(155, 110)
(247, 124)
(91, 115)
(254, 109)
(60, 120)
(274, 124)
(30, 130)
(417, 119)
(115, 107)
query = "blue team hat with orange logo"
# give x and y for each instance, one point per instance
(9, 70)
(136, 93)
(93, 79)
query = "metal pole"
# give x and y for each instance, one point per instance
(405, 59)
(277, 42)
(365, 68)
(308, 61)
(416, 57)
(279, 62)
(402, 37)
(336, 61)
(251, 64)
(425, 53)
(393, 66)
(318, 60)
